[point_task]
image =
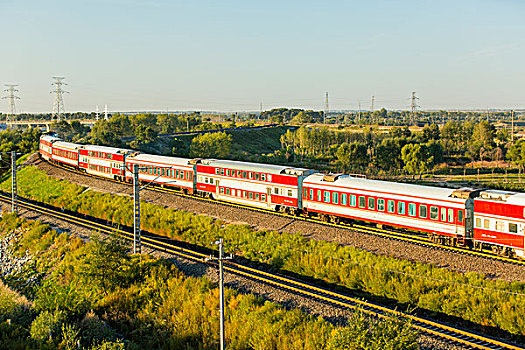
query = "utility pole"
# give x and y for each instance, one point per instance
(221, 288)
(96, 113)
(413, 105)
(326, 108)
(58, 107)
(14, 196)
(105, 112)
(260, 114)
(136, 210)
(11, 90)
(512, 127)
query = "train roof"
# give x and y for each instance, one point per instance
(389, 187)
(50, 138)
(108, 149)
(68, 145)
(509, 197)
(256, 167)
(160, 159)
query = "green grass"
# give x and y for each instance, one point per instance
(146, 303)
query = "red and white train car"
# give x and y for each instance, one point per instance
(166, 171)
(437, 211)
(260, 185)
(104, 161)
(499, 220)
(46, 146)
(66, 153)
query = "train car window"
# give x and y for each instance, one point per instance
(434, 213)
(263, 177)
(269, 177)
(460, 215)
(290, 193)
(381, 204)
(227, 191)
(411, 209)
(305, 194)
(371, 203)
(257, 196)
(244, 174)
(311, 194)
(451, 215)
(478, 222)
(344, 198)
(205, 180)
(362, 202)
(244, 194)
(443, 214)
(211, 180)
(352, 200)
(263, 197)
(423, 211)
(513, 228)
(275, 190)
(250, 175)
(256, 175)
(326, 196)
(222, 171)
(182, 174)
(486, 224)
(227, 172)
(177, 174)
(251, 195)
(335, 197)
(217, 171)
(318, 195)
(391, 206)
(401, 208)
(500, 226)
(239, 173)
(222, 190)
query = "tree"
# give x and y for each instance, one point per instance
(349, 154)
(431, 132)
(211, 145)
(105, 265)
(416, 159)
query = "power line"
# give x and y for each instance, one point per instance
(12, 97)
(58, 107)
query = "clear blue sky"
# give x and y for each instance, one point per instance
(231, 55)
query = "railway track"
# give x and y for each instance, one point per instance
(405, 236)
(433, 328)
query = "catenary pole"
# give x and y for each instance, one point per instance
(13, 183)
(136, 210)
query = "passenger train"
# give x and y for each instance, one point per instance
(467, 217)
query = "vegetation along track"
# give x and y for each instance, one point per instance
(404, 236)
(440, 330)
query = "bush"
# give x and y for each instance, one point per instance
(47, 326)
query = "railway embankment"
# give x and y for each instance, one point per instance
(466, 296)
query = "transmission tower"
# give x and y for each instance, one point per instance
(414, 105)
(11, 97)
(326, 108)
(58, 107)
(372, 104)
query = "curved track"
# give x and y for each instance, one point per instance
(410, 237)
(447, 332)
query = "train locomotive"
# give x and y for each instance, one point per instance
(474, 218)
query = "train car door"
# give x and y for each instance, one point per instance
(269, 196)
(217, 192)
